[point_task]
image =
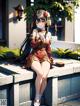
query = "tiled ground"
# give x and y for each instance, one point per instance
(71, 103)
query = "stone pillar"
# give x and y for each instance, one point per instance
(51, 92)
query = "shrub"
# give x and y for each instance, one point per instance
(6, 53)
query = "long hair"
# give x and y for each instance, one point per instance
(25, 48)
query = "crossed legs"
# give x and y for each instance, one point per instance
(42, 71)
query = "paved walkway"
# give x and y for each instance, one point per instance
(71, 103)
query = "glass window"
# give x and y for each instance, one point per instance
(0, 19)
(59, 27)
(3, 22)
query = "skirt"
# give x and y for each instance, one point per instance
(33, 57)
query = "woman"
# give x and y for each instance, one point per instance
(40, 56)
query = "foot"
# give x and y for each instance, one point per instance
(36, 103)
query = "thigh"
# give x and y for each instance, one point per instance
(36, 66)
(45, 67)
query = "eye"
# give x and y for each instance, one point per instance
(38, 20)
(41, 20)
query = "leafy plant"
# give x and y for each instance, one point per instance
(11, 54)
(75, 54)
(66, 53)
(6, 53)
(57, 8)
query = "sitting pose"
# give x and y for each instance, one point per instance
(39, 58)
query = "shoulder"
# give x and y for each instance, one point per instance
(34, 32)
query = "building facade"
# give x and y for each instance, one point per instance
(12, 34)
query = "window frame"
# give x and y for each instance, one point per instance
(5, 27)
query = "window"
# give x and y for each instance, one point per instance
(59, 29)
(3, 22)
(0, 19)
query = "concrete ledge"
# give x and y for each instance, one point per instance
(19, 74)
(13, 68)
(22, 77)
(23, 82)
(6, 80)
(61, 71)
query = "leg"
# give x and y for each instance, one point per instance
(36, 66)
(45, 68)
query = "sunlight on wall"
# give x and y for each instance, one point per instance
(17, 30)
(77, 25)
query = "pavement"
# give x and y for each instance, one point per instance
(71, 103)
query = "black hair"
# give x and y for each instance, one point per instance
(25, 50)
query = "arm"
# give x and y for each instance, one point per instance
(48, 49)
(48, 42)
(48, 38)
(34, 39)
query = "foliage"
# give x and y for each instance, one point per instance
(12, 54)
(6, 53)
(66, 53)
(57, 8)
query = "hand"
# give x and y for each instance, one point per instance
(51, 60)
(42, 38)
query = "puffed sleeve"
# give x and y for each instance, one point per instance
(48, 39)
(48, 49)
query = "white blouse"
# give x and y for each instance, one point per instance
(41, 35)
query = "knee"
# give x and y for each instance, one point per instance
(40, 75)
(44, 77)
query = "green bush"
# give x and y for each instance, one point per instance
(6, 53)
(11, 54)
(66, 53)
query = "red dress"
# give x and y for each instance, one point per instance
(40, 52)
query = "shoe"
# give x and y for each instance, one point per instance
(36, 103)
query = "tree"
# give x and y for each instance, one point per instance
(57, 8)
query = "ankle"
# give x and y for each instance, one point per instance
(38, 97)
(36, 100)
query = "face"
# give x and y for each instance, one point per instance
(41, 23)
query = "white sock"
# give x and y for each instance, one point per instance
(37, 97)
